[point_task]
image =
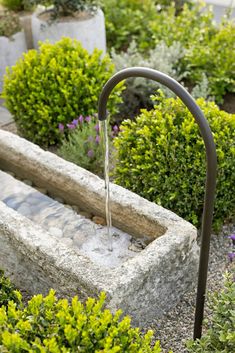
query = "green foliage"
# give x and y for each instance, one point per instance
(54, 85)
(7, 291)
(216, 57)
(148, 22)
(83, 146)
(68, 7)
(139, 90)
(9, 23)
(49, 325)
(220, 334)
(17, 5)
(209, 50)
(128, 20)
(161, 157)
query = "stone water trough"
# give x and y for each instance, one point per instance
(144, 285)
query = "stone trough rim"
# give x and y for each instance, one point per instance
(172, 254)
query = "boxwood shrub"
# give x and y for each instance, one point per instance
(7, 291)
(161, 157)
(55, 85)
(49, 325)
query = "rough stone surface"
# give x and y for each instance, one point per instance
(78, 187)
(145, 286)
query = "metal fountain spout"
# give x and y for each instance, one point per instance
(211, 158)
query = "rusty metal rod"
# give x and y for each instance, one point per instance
(211, 159)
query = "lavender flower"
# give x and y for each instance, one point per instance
(97, 128)
(75, 122)
(88, 119)
(71, 126)
(231, 256)
(61, 127)
(232, 237)
(90, 153)
(90, 138)
(115, 129)
(97, 139)
(80, 119)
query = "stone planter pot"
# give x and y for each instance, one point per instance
(11, 49)
(90, 32)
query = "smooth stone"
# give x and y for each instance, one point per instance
(85, 214)
(99, 220)
(41, 190)
(27, 182)
(10, 173)
(12, 202)
(56, 231)
(75, 208)
(59, 199)
(67, 241)
(79, 239)
(24, 209)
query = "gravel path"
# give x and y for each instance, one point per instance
(177, 326)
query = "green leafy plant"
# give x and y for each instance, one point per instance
(9, 23)
(220, 334)
(83, 143)
(161, 157)
(54, 85)
(208, 49)
(62, 8)
(17, 5)
(216, 57)
(138, 90)
(128, 20)
(7, 291)
(51, 325)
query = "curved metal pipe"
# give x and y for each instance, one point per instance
(211, 158)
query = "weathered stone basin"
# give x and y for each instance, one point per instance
(145, 286)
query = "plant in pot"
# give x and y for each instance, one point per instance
(24, 9)
(12, 40)
(78, 19)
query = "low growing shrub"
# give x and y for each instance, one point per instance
(17, 5)
(9, 23)
(161, 157)
(61, 8)
(128, 20)
(216, 57)
(83, 143)
(51, 325)
(220, 334)
(138, 90)
(54, 85)
(7, 291)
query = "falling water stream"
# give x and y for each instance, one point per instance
(103, 127)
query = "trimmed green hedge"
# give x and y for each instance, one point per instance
(7, 291)
(49, 325)
(55, 85)
(161, 157)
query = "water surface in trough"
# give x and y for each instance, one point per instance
(71, 228)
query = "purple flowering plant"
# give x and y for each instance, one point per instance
(82, 143)
(231, 254)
